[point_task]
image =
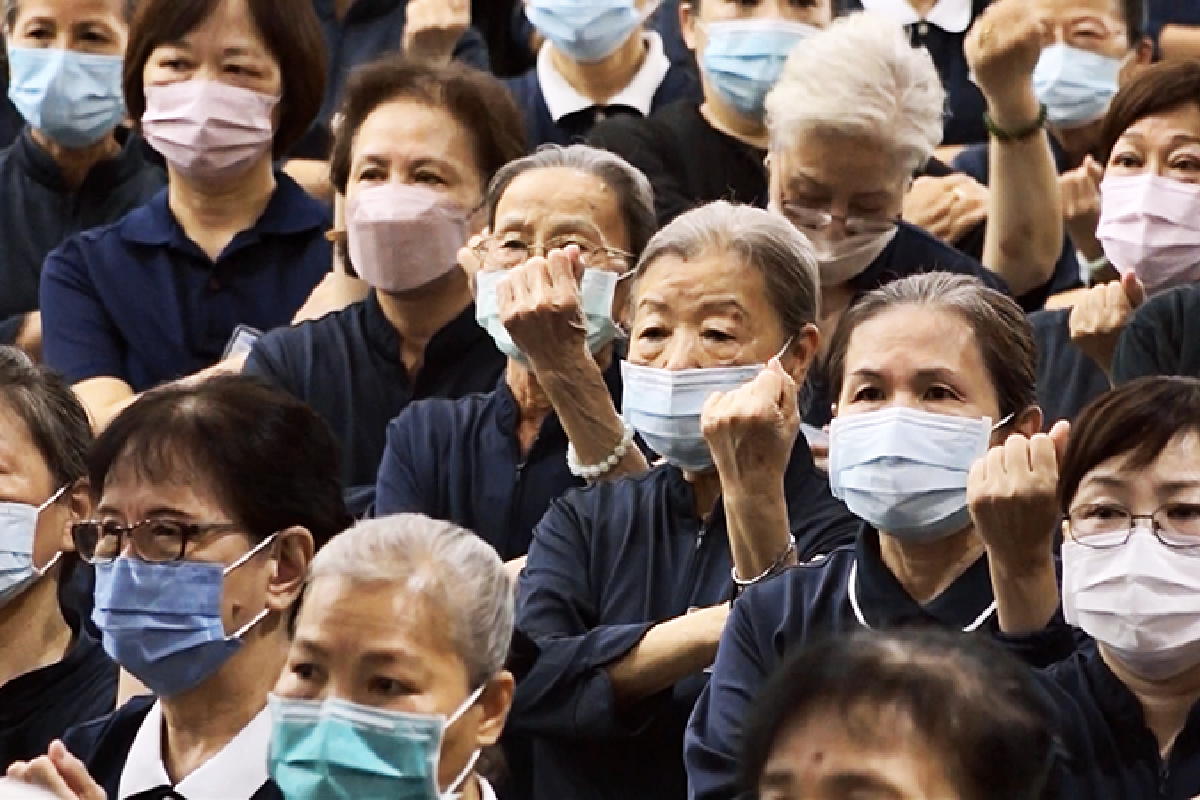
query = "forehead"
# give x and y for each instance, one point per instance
(69, 10)
(907, 339)
(1178, 461)
(17, 448)
(853, 164)
(555, 192)
(1184, 119)
(412, 130)
(687, 284)
(1062, 10)
(229, 25)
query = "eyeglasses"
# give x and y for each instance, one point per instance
(813, 219)
(155, 540)
(1176, 525)
(506, 252)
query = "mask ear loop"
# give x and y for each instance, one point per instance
(258, 548)
(58, 555)
(457, 783)
(1003, 422)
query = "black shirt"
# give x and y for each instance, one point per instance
(38, 707)
(1162, 338)
(1067, 379)
(688, 161)
(347, 367)
(40, 211)
(607, 563)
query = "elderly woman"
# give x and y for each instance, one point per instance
(221, 88)
(212, 500)
(927, 372)
(409, 602)
(414, 153)
(53, 672)
(1128, 484)
(72, 168)
(856, 711)
(566, 225)
(627, 585)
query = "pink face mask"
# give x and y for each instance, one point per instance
(403, 237)
(208, 130)
(1151, 226)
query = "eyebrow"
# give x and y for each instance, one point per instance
(923, 375)
(848, 783)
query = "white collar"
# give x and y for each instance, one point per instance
(852, 593)
(952, 16)
(562, 98)
(235, 773)
(486, 792)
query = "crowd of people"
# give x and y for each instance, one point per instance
(600, 400)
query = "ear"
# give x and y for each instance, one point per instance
(1028, 423)
(800, 355)
(1145, 52)
(293, 554)
(495, 701)
(687, 24)
(79, 504)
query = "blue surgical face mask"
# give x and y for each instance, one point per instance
(73, 98)
(18, 530)
(905, 471)
(1075, 85)
(335, 748)
(162, 622)
(744, 58)
(586, 31)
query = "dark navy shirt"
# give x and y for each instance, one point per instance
(460, 460)
(140, 301)
(1171, 12)
(1067, 378)
(1162, 337)
(608, 563)
(347, 367)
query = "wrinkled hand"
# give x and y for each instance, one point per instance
(541, 307)
(947, 207)
(1002, 49)
(335, 291)
(432, 28)
(1101, 314)
(1012, 493)
(59, 773)
(751, 430)
(1080, 191)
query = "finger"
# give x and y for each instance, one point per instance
(1016, 456)
(73, 772)
(788, 395)
(1114, 295)
(1134, 290)
(765, 389)
(1042, 457)
(506, 300)
(977, 478)
(42, 772)
(559, 270)
(1094, 169)
(1060, 434)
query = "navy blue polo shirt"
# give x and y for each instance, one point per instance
(1162, 337)
(347, 367)
(1067, 378)
(608, 563)
(139, 301)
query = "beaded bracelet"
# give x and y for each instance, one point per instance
(1020, 134)
(591, 473)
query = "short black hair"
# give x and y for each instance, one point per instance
(1156, 89)
(266, 457)
(969, 701)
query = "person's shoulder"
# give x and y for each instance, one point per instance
(524, 85)
(446, 415)
(973, 161)
(797, 588)
(110, 735)
(924, 252)
(602, 500)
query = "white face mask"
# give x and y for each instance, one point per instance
(846, 260)
(18, 529)
(1141, 600)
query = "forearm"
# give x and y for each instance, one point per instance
(759, 531)
(1026, 597)
(1179, 42)
(668, 653)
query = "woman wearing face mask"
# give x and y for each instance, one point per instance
(72, 168)
(597, 60)
(53, 672)
(212, 500)
(694, 153)
(220, 87)
(414, 152)
(627, 584)
(1129, 487)
(927, 371)
(406, 602)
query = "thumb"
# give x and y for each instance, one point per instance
(1135, 291)
(1060, 434)
(1094, 170)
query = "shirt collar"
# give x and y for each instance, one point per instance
(952, 16)
(238, 770)
(562, 98)
(447, 347)
(106, 174)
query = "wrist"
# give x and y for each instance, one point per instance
(1019, 571)
(1018, 107)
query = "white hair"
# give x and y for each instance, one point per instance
(861, 77)
(456, 573)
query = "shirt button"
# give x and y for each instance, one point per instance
(923, 30)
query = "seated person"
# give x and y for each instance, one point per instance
(211, 502)
(494, 462)
(1175, 28)
(434, 599)
(697, 152)
(417, 147)
(220, 88)
(1128, 483)
(597, 60)
(72, 168)
(628, 582)
(53, 672)
(927, 371)
(857, 711)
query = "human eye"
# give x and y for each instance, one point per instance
(718, 336)
(1126, 159)
(305, 671)
(941, 392)
(387, 686)
(372, 174)
(1186, 162)
(1101, 513)
(653, 333)
(429, 178)
(867, 393)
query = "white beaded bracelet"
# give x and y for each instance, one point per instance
(591, 473)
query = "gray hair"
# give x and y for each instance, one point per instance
(56, 420)
(456, 573)
(11, 7)
(633, 191)
(861, 77)
(761, 239)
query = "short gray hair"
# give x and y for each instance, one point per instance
(456, 573)
(861, 77)
(761, 239)
(56, 420)
(633, 191)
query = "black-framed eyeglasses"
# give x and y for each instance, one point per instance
(813, 219)
(1103, 525)
(505, 251)
(154, 540)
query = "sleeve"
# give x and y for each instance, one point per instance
(472, 50)
(398, 488)
(1053, 644)
(1153, 343)
(9, 328)
(567, 693)
(973, 160)
(79, 337)
(639, 141)
(712, 743)
(824, 525)
(269, 360)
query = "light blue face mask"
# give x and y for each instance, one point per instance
(338, 749)
(73, 98)
(586, 31)
(905, 471)
(744, 58)
(18, 530)
(1075, 85)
